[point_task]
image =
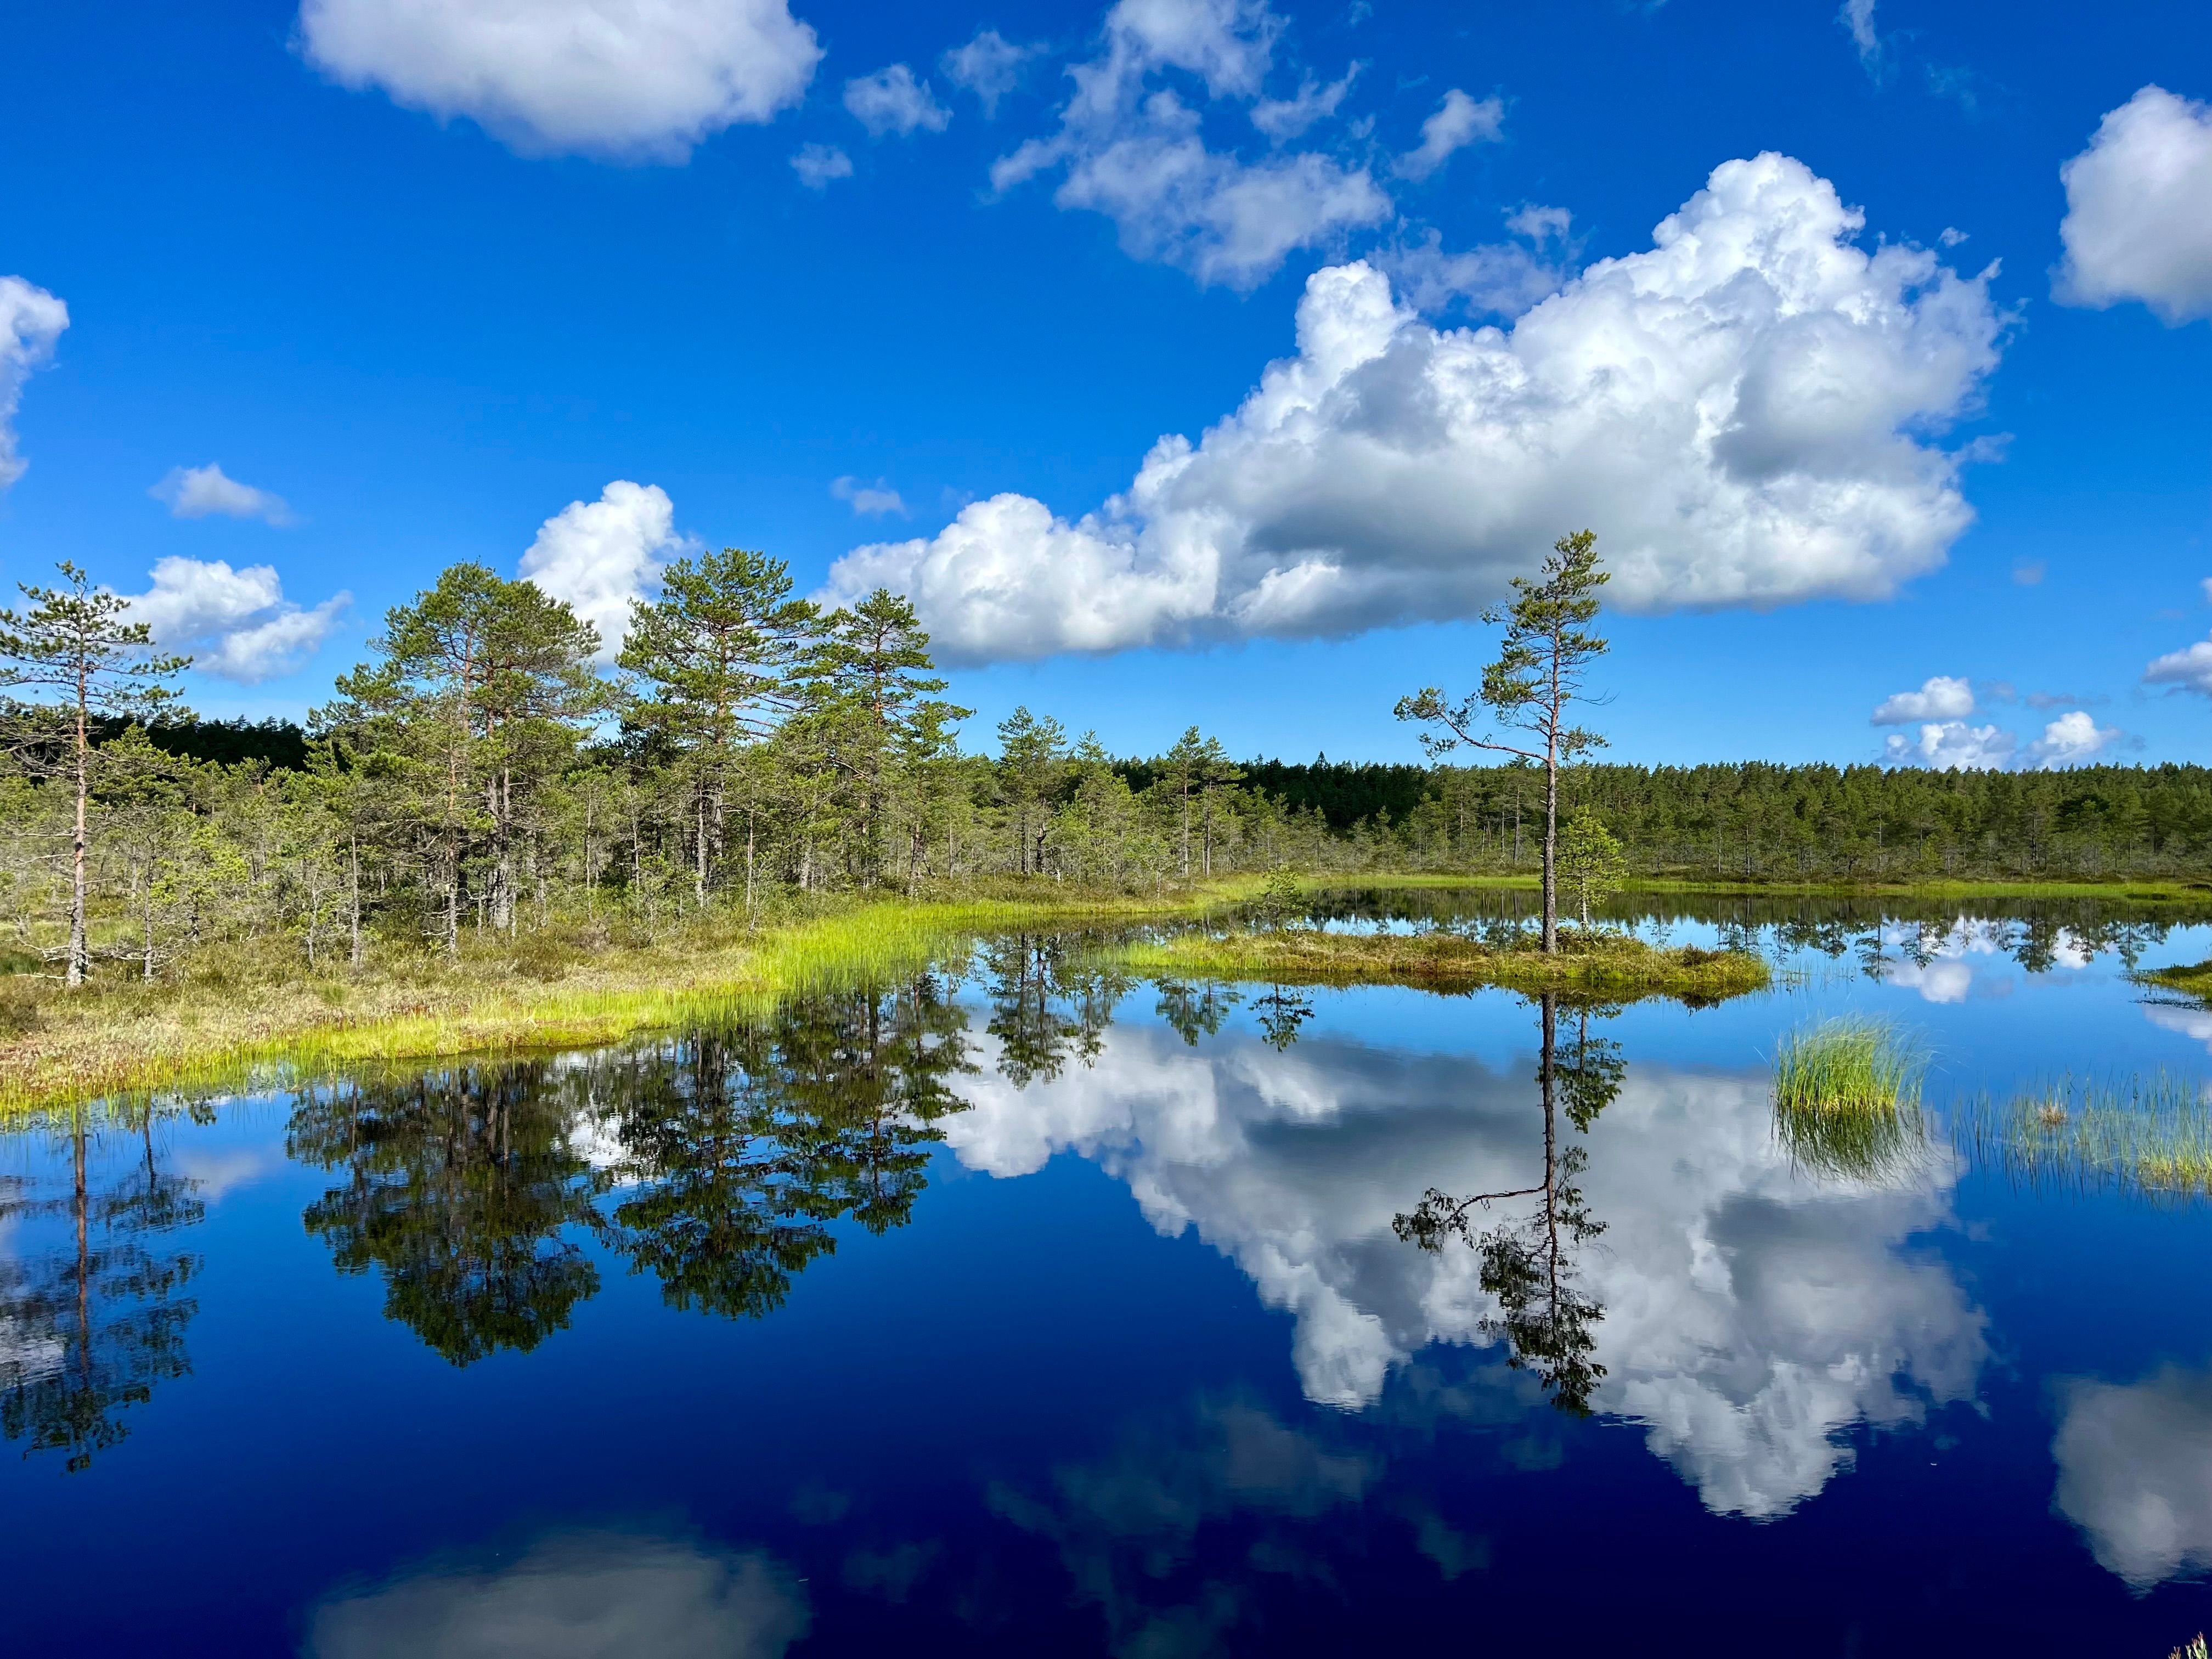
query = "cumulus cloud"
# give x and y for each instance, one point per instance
(2188, 670)
(576, 1595)
(196, 492)
(1953, 746)
(866, 499)
(891, 101)
(2138, 221)
(1130, 148)
(2135, 1473)
(637, 80)
(1458, 122)
(1755, 1317)
(1939, 698)
(817, 164)
(989, 66)
(1741, 412)
(2072, 740)
(236, 624)
(601, 555)
(31, 320)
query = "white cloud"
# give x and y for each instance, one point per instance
(2135, 1473)
(599, 555)
(1939, 698)
(1501, 279)
(236, 624)
(629, 79)
(891, 101)
(195, 492)
(1135, 152)
(817, 164)
(1285, 118)
(2189, 668)
(1953, 746)
(31, 320)
(1741, 412)
(2070, 740)
(989, 66)
(1458, 122)
(577, 1596)
(2138, 221)
(1755, 1317)
(867, 498)
(1857, 19)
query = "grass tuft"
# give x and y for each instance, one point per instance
(1847, 1097)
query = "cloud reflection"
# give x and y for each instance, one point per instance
(1754, 1317)
(576, 1595)
(2135, 1473)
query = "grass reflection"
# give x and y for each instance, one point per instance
(1847, 1098)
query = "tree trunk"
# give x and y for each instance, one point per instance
(354, 858)
(1552, 815)
(80, 950)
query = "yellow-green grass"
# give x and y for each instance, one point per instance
(1594, 964)
(1847, 1097)
(2193, 979)
(2149, 1135)
(236, 1020)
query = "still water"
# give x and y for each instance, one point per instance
(1018, 1310)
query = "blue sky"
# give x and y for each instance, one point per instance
(416, 278)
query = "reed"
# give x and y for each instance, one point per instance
(1847, 1098)
(2151, 1136)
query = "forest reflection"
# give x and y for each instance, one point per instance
(720, 1163)
(89, 1328)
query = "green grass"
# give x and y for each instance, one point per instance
(1609, 964)
(240, 1019)
(2147, 1135)
(1847, 1097)
(2194, 979)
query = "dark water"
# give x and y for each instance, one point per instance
(1025, 1311)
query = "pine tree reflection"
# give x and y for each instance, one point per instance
(751, 1143)
(1546, 1318)
(461, 1185)
(720, 1163)
(90, 1329)
(1033, 980)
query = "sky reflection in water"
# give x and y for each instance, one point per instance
(1034, 1311)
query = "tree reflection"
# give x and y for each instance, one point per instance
(460, 1185)
(1546, 1318)
(90, 1329)
(750, 1145)
(1048, 1006)
(719, 1163)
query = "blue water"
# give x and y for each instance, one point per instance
(1122, 1354)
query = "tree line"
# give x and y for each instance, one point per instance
(487, 772)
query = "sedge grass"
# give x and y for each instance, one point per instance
(2149, 1135)
(238, 1023)
(1847, 1097)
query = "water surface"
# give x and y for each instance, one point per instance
(1023, 1309)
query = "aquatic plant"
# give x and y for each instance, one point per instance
(1847, 1097)
(2151, 1135)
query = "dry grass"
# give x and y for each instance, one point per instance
(236, 1021)
(1598, 963)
